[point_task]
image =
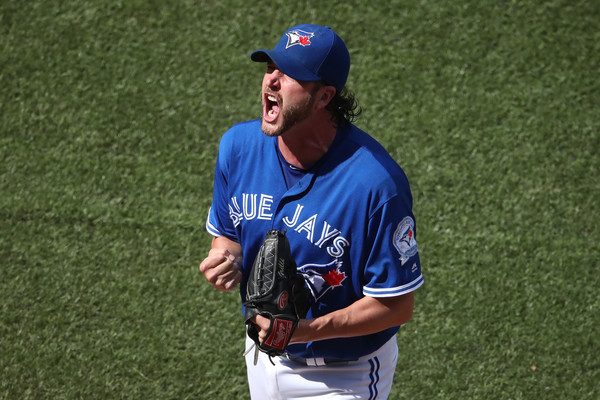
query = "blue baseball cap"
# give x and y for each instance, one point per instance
(310, 53)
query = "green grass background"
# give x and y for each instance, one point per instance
(111, 112)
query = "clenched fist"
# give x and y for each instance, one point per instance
(221, 269)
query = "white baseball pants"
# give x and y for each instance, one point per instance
(370, 377)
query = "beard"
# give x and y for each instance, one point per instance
(289, 116)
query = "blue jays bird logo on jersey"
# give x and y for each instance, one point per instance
(298, 37)
(322, 278)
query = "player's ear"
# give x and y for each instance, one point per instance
(324, 96)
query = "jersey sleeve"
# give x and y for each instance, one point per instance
(393, 267)
(219, 222)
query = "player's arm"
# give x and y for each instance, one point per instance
(221, 267)
(365, 316)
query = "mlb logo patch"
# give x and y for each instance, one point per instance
(298, 37)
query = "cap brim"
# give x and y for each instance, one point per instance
(287, 64)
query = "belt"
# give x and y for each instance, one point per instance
(318, 361)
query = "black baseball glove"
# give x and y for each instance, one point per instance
(276, 291)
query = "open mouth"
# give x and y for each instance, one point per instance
(270, 107)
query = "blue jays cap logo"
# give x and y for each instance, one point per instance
(404, 239)
(321, 278)
(298, 37)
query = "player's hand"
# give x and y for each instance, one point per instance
(221, 269)
(262, 324)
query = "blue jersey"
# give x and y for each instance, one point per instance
(349, 222)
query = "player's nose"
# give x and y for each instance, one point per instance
(273, 78)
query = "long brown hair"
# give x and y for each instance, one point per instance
(344, 107)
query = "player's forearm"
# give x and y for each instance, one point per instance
(366, 316)
(222, 242)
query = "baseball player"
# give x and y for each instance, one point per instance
(346, 207)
